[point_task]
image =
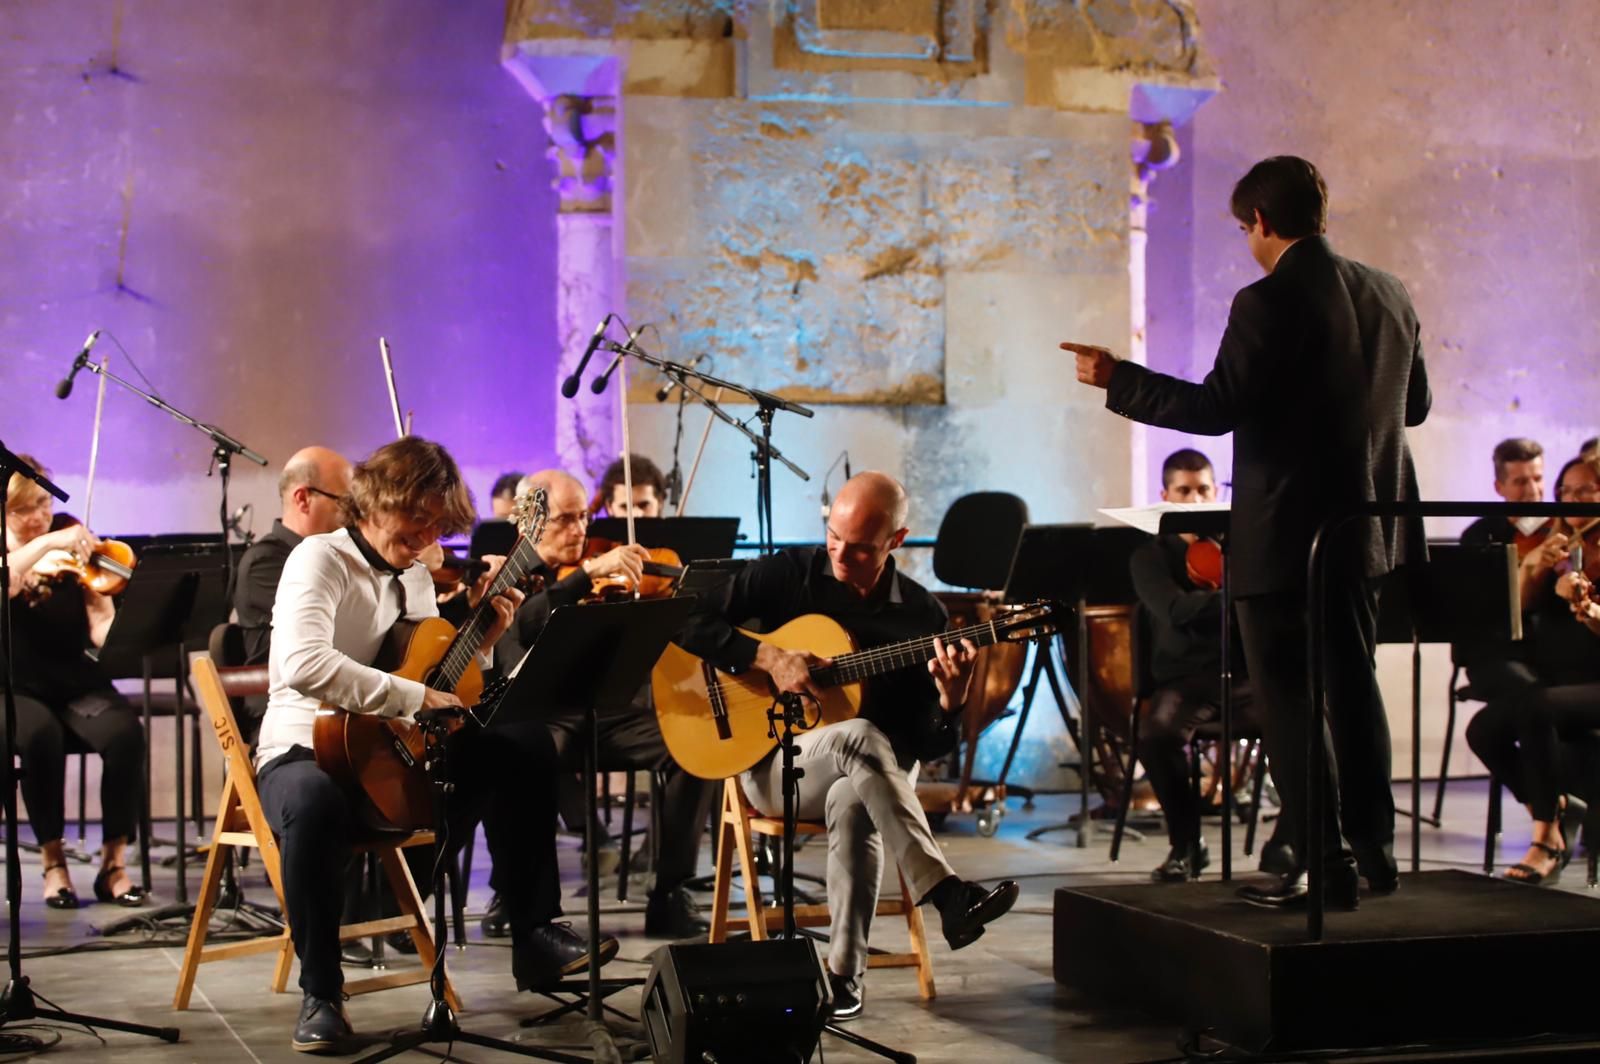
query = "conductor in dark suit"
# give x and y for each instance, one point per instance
(1318, 375)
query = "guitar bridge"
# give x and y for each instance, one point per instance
(403, 753)
(719, 705)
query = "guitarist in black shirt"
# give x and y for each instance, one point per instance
(857, 772)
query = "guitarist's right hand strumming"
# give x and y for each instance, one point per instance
(790, 670)
(432, 699)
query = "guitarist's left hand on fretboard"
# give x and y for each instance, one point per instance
(951, 669)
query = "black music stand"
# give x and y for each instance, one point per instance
(175, 596)
(18, 1000)
(1459, 593)
(593, 658)
(693, 538)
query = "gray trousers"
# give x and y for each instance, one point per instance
(858, 787)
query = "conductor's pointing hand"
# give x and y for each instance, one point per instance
(1094, 363)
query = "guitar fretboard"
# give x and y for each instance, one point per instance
(850, 668)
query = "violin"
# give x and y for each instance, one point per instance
(1531, 541)
(455, 572)
(660, 578)
(107, 570)
(1203, 563)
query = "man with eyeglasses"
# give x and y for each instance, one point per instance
(340, 595)
(312, 482)
(631, 735)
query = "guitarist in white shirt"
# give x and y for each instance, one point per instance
(857, 773)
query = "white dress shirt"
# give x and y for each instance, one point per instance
(332, 613)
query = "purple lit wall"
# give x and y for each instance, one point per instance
(1454, 138)
(247, 195)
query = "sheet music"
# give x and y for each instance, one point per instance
(1148, 518)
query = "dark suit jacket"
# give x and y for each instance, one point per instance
(256, 588)
(1318, 375)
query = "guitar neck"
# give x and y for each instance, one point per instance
(464, 647)
(864, 664)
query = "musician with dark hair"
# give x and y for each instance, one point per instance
(339, 596)
(649, 490)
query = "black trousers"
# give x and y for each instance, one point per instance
(105, 723)
(506, 777)
(685, 800)
(1505, 736)
(1175, 711)
(1356, 779)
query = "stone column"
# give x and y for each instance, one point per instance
(583, 145)
(1155, 148)
(577, 83)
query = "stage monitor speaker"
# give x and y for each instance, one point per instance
(736, 1002)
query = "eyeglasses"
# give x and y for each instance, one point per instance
(1582, 491)
(324, 494)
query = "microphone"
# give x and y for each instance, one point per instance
(666, 389)
(569, 387)
(598, 385)
(64, 388)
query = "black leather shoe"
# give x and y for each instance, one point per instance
(548, 953)
(1380, 871)
(1278, 858)
(673, 914)
(495, 923)
(322, 1026)
(131, 898)
(1177, 869)
(64, 897)
(972, 907)
(1291, 891)
(357, 954)
(849, 998)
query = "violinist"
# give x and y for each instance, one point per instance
(60, 690)
(649, 490)
(1185, 659)
(632, 734)
(503, 495)
(1517, 743)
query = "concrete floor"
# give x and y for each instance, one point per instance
(996, 999)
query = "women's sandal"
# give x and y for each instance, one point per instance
(1532, 876)
(64, 897)
(131, 898)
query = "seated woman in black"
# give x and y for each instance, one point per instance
(60, 690)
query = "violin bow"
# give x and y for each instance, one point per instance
(94, 445)
(401, 429)
(694, 467)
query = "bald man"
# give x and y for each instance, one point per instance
(312, 482)
(631, 735)
(858, 773)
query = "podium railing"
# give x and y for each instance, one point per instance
(1316, 602)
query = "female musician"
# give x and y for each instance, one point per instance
(60, 690)
(1516, 734)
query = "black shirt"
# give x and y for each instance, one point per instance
(780, 587)
(534, 614)
(49, 638)
(257, 587)
(1183, 618)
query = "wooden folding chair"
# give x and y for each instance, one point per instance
(241, 822)
(738, 822)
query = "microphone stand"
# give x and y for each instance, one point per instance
(223, 448)
(17, 1000)
(766, 405)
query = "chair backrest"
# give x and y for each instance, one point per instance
(212, 692)
(977, 539)
(226, 645)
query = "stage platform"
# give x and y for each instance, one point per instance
(1451, 957)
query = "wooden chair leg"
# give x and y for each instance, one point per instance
(747, 866)
(722, 882)
(205, 905)
(917, 931)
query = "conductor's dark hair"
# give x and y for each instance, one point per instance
(1289, 193)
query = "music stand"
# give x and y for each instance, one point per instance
(495, 536)
(693, 538)
(593, 658)
(1460, 593)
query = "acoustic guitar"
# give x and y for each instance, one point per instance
(379, 760)
(715, 723)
